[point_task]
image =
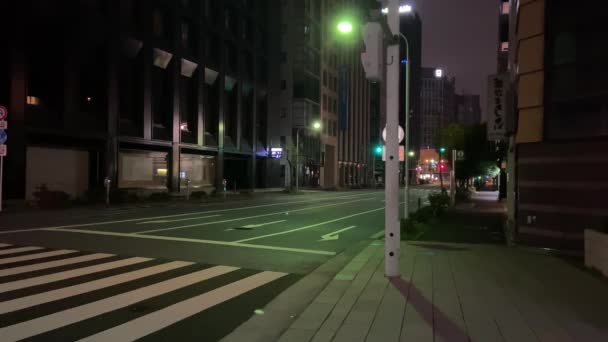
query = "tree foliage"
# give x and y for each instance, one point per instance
(481, 155)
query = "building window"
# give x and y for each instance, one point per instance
(324, 102)
(283, 112)
(283, 85)
(324, 78)
(284, 57)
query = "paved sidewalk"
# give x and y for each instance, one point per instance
(458, 292)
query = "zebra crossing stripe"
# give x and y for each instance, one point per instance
(163, 318)
(50, 278)
(52, 264)
(4, 245)
(59, 319)
(19, 250)
(36, 256)
(70, 291)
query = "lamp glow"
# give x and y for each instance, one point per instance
(345, 27)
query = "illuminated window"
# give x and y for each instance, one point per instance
(506, 8)
(504, 46)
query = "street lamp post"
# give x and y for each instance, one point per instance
(316, 126)
(406, 189)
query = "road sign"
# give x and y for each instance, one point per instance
(2, 150)
(3, 124)
(3, 113)
(460, 155)
(401, 134)
(3, 136)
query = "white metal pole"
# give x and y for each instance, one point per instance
(297, 158)
(391, 214)
(406, 190)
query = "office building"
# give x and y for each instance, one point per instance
(557, 61)
(468, 109)
(147, 93)
(437, 106)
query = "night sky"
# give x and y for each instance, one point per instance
(461, 37)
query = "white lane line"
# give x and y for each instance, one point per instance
(209, 242)
(4, 245)
(245, 218)
(175, 215)
(309, 226)
(53, 264)
(178, 220)
(60, 319)
(19, 250)
(263, 224)
(54, 277)
(70, 291)
(36, 256)
(377, 235)
(158, 320)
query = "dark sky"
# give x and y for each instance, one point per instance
(461, 37)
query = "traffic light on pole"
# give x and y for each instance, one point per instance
(442, 150)
(441, 167)
(378, 150)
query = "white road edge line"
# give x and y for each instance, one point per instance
(178, 220)
(309, 226)
(158, 320)
(245, 218)
(66, 317)
(169, 216)
(209, 242)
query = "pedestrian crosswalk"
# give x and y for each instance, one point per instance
(71, 295)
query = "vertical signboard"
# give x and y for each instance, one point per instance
(497, 106)
(343, 98)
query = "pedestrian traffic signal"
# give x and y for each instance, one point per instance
(378, 150)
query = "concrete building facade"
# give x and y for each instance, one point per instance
(437, 105)
(556, 63)
(147, 93)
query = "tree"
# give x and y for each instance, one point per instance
(480, 154)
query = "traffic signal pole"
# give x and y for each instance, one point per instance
(391, 193)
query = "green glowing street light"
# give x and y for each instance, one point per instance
(378, 150)
(345, 27)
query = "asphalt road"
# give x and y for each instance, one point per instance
(189, 272)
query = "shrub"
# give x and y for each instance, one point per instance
(439, 202)
(46, 198)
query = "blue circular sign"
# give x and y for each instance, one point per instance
(3, 136)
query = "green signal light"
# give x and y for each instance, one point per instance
(378, 149)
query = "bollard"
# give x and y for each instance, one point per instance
(187, 189)
(106, 183)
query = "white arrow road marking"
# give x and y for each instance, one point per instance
(177, 220)
(335, 235)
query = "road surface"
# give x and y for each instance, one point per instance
(186, 272)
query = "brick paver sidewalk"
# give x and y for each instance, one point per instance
(458, 292)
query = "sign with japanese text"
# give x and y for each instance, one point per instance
(497, 106)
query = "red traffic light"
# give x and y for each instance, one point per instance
(442, 167)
